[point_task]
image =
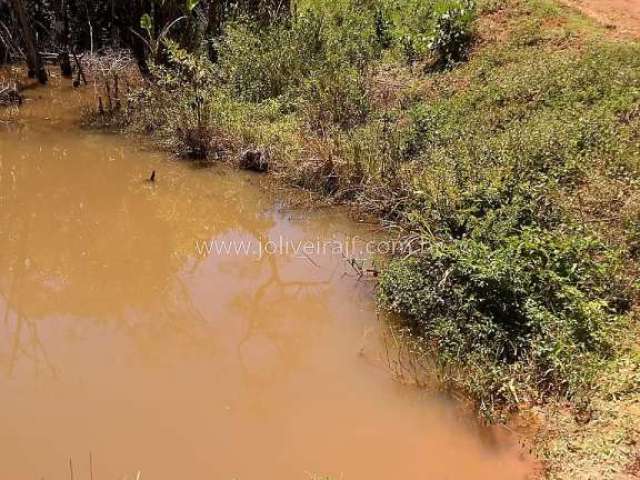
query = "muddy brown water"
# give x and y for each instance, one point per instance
(118, 338)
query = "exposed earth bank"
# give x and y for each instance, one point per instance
(623, 16)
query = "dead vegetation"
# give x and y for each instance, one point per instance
(113, 73)
(10, 94)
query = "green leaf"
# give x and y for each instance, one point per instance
(146, 22)
(191, 4)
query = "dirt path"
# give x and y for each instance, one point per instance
(622, 15)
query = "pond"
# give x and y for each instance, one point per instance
(176, 328)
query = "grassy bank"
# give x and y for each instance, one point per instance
(503, 138)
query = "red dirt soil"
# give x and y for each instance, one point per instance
(621, 15)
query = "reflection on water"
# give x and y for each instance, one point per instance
(117, 338)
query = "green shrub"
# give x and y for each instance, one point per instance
(335, 96)
(267, 62)
(538, 303)
(183, 86)
(258, 63)
(452, 32)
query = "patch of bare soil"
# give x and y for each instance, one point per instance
(623, 16)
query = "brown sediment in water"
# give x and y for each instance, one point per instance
(119, 338)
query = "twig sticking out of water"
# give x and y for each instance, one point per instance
(71, 467)
(91, 466)
(353, 263)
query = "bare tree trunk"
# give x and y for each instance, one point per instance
(115, 30)
(214, 26)
(62, 38)
(126, 17)
(34, 61)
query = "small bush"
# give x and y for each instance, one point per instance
(452, 33)
(335, 97)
